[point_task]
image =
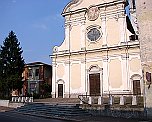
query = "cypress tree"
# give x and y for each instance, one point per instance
(12, 64)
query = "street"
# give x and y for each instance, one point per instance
(13, 117)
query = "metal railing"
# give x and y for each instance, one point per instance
(21, 99)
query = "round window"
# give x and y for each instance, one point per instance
(93, 34)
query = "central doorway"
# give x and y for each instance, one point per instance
(60, 90)
(136, 87)
(94, 80)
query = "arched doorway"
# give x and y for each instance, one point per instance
(60, 88)
(95, 78)
(136, 84)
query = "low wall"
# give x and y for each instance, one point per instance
(4, 103)
(149, 101)
(133, 113)
(15, 105)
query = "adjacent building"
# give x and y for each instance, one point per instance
(35, 74)
(144, 17)
(101, 52)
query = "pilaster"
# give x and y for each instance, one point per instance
(122, 23)
(125, 71)
(54, 80)
(67, 36)
(83, 46)
(104, 36)
(83, 76)
(67, 78)
(105, 75)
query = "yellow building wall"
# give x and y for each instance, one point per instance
(113, 32)
(59, 59)
(75, 76)
(60, 71)
(115, 73)
(94, 55)
(77, 57)
(75, 38)
(135, 65)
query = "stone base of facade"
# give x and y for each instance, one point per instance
(149, 102)
(53, 95)
(72, 95)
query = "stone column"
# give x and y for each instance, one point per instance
(99, 100)
(53, 79)
(122, 100)
(67, 79)
(105, 74)
(134, 100)
(90, 100)
(111, 100)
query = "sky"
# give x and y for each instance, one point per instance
(38, 25)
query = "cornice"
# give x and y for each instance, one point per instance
(103, 49)
(74, 12)
(70, 5)
(73, 3)
(111, 3)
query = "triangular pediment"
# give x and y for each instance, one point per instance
(79, 4)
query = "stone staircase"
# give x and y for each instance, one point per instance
(71, 109)
(59, 111)
(58, 101)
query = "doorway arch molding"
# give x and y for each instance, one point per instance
(60, 83)
(96, 71)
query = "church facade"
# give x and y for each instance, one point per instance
(99, 55)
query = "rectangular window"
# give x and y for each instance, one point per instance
(37, 72)
(30, 72)
(148, 77)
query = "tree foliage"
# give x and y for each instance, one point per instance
(45, 90)
(11, 64)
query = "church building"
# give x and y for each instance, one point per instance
(100, 53)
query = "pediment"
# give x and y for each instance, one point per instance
(79, 4)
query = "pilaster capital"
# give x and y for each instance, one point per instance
(124, 56)
(103, 17)
(105, 59)
(83, 61)
(67, 62)
(54, 64)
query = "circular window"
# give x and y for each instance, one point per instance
(93, 34)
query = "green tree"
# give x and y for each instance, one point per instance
(11, 63)
(45, 90)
